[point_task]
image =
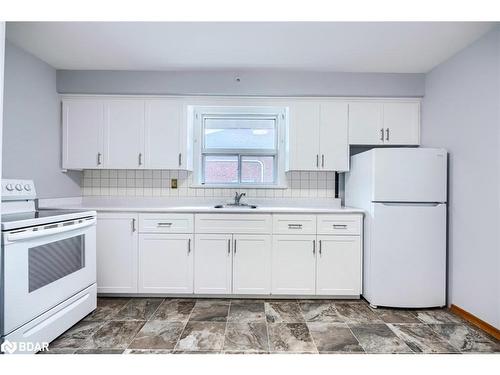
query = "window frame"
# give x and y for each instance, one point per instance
(278, 114)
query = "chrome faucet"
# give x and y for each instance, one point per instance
(237, 198)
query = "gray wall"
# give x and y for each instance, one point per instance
(461, 112)
(32, 127)
(272, 83)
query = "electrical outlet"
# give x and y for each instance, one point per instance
(173, 183)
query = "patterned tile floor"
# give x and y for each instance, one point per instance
(156, 325)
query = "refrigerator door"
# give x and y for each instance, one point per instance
(408, 255)
(409, 175)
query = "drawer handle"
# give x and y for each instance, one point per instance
(294, 226)
(164, 225)
(340, 226)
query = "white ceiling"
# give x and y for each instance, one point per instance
(332, 46)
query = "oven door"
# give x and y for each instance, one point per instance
(46, 266)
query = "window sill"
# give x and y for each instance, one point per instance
(205, 186)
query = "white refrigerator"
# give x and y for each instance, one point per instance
(403, 192)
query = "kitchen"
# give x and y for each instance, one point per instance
(202, 208)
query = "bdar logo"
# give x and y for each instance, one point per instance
(8, 347)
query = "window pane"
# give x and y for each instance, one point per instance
(220, 169)
(241, 133)
(257, 169)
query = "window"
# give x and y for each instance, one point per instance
(239, 147)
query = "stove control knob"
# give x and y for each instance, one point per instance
(27, 187)
(19, 187)
(9, 187)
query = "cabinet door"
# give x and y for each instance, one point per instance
(334, 137)
(339, 266)
(293, 264)
(212, 263)
(165, 263)
(365, 124)
(402, 123)
(116, 253)
(304, 136)
(162, 134)
(251, 264)
(124, 134)
(82, 134)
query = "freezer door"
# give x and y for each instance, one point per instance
(408, 255)
(409, 175)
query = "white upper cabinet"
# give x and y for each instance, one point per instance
(304, 136)
(384, 123)
(402, 123)
(318, 138)
(334, 136)
(127, 133)
(82, 134)
(164, 137)
(124, 134)
(366, 124)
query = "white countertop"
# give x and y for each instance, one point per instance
(196, 205)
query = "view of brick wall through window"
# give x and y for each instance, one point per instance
(156, 183)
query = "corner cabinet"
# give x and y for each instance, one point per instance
(318, 136)
(125, 133)
(392, 122)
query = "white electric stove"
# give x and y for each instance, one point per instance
(48, 269)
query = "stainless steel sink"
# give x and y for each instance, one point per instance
(232, 205)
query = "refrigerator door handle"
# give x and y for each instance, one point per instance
(428, 204)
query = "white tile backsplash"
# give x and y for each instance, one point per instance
(156, 183)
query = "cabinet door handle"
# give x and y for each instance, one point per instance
(234, 249)
(99, 161)
(294, 226)
(228, 246)
(387, 135)
(314, 246)
(317, 160)
(320, 247)
(189, 245)
(133, 225)
(180, 159)
(382, 134)
(140, 158)
(322, 160)
(339, 226)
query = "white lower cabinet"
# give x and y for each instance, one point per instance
(306, 254)
(116, 253)
(232, 264)
(212, 263)
(251, 264)
(293, 264)
(338, 266)
(165, 263)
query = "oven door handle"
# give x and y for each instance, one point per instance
(27, 235)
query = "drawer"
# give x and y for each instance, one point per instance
(166, 223)
(340, 224)
(233, 223)
(294, 224)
